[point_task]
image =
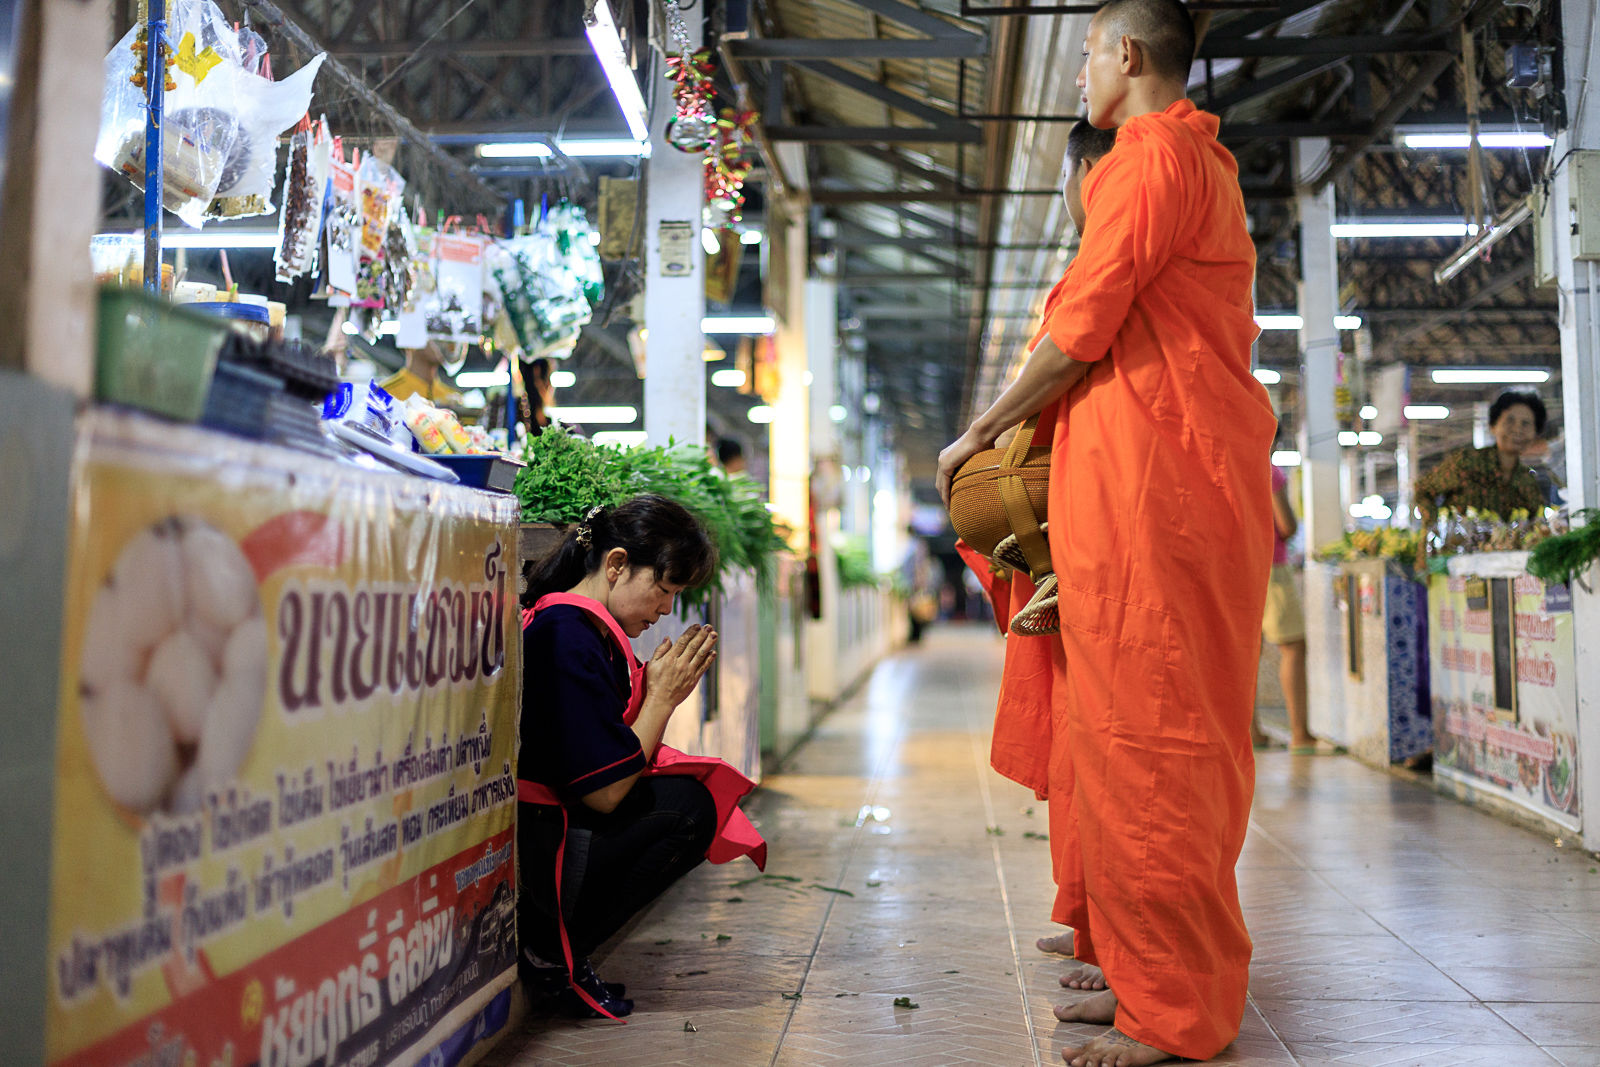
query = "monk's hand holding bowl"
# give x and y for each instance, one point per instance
(958, 452)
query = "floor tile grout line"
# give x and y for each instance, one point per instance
(875, 783)
(981, 767)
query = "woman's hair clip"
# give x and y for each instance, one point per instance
(585, 533)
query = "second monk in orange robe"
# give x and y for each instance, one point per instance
(1160, 529)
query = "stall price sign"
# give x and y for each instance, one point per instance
(1504, 687)
(286, 759)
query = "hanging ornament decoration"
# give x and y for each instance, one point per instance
(694, 119)
(728, 164)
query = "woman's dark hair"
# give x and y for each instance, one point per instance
(1510, 399)
(654, 531)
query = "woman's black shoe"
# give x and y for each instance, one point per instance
(607, 995)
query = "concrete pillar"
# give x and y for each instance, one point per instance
(1580, 387)
(1319, 351)
(789, 439)
(675, 282)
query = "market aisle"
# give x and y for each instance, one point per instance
(1392, 926)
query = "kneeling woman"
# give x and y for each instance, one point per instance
(610, 817)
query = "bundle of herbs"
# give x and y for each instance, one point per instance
(567, 475)
(1565, 557)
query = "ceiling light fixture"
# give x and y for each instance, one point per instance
(709, 242)
(741, 324)
(208, 239)
(607, 43)
(621, 438)
(1489, 376)
(1280, 322)
(1369, 412)
(761, 414)
(1461, 139)
(563, 379)
(1484, 240)
(1426, 411)
(598, 415)
(1286, 457)
(1362, 228)
(482, 379)
(613, 147)
(1267, 376)
(732, 378)
(750, 237)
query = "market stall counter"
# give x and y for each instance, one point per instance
(1382, 610)
(1505, 703)
(285, 762)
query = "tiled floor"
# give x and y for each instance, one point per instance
(1392, 926)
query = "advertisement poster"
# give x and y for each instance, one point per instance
(1518, 739)
(286, 760)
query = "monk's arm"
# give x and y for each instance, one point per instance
(1047, 374)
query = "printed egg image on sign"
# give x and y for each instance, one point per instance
(174, 667)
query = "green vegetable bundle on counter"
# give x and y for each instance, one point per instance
(566, 475)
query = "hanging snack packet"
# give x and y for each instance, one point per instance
(455, 311)
(343, 227)
(300, 221)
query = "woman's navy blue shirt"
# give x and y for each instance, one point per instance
(575, 689)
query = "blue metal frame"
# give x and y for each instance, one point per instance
(155, 85)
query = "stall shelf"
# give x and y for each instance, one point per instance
(1505, 701)
(285, 757)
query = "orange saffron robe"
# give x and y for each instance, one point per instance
(1161, 536)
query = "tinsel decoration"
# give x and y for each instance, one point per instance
(694, 122)
(728, 164)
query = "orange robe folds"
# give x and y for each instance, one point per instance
(1161, 535)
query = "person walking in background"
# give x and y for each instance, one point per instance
(1284, 623)
(1161, 538)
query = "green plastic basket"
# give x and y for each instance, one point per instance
(155, 356)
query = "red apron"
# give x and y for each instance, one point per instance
(736, 835)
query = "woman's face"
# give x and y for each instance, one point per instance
(639, 598)
(1515, 430)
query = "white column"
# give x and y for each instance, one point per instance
(1580, 389)
(1319, 351)
(789, 440)
(675, 283)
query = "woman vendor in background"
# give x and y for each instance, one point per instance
(610, 817)
(1494, 478)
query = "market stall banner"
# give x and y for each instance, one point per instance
(286, 758)
(1526, 752)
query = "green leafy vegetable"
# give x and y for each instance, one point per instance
(905, 1002)
(1566, 556)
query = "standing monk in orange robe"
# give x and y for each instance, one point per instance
(1161, 536)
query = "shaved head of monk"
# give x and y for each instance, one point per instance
(1136, 59)
(1086, 146)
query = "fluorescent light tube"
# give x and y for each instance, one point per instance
(1348, 438)
(1407, 228)
(1280, 322)
(563, 379)
(482, 379)
(1489, 375)
(619, 147)
(607, 44)
(1267, 376)
(1286, 457)
(1427, 411)
(1369, 438)
(221, 239)
(1369, 412)
(623, 438)
(597, 416)
(709, 242)
(751, 324)
(761, 413)
(750, 237)
(1347, 322)
(731, 378)
(837, 413)
(1487, 138)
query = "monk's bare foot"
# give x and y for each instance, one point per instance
(1060, 944)
(1114, 1049)
(1087, 977)
(1100, 1008)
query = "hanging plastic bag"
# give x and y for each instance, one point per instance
(200, 126)
(265, 109)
